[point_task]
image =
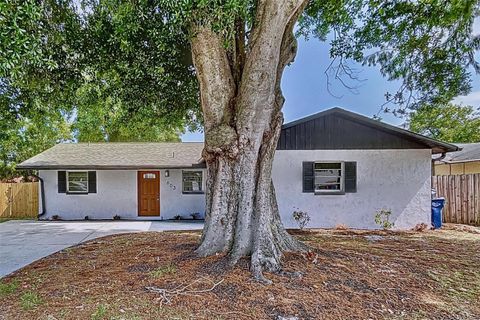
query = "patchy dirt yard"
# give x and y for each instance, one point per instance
(351, 275)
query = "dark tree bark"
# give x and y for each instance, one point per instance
(241, 102)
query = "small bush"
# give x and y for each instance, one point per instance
(164, 270)
(382, 219)
(302, 218)
(177, 217)
(116, 217)
(8, 288)
(30, 300)
(56, 217)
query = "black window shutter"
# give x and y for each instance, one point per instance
(308, 176)
(62, 181)
(92, 182)
(351, 176)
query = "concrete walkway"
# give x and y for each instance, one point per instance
(22, 242)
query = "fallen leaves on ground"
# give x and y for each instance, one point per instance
(346, 275)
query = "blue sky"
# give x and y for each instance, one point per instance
(304, 86)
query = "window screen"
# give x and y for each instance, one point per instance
(77, 182)
(329, 177)
(192, 181)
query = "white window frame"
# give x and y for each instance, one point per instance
(342, 178)
(201, 191)
(68, 181)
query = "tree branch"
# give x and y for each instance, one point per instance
(288, 52)
(214, 75)
(264, 57)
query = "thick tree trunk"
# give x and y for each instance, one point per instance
(241, 102)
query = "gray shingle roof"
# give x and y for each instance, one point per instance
(157, 155)
(469, 152)
(118, 156)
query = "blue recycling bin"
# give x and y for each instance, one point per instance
(437, 206)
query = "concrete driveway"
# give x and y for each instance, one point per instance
(22, 242)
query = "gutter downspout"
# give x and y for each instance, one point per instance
(42, 195)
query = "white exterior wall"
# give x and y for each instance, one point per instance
(117, 195)
(173, 202)
(399, 180)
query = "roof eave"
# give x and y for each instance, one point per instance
(445, 149)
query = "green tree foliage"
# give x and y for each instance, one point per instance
(121, 70)
(66, 75)
(450, 122)
(30, 95)
(137, 74)
(21, 37)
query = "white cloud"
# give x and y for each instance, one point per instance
(473, 99)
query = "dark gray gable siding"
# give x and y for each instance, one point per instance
(334, 131)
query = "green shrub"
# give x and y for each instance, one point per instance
(301, 217)
(382, 218)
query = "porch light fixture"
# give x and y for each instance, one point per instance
(167, 173)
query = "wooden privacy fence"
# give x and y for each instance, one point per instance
(19, 200)
(462, 195)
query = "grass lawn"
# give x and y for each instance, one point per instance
(352, 275)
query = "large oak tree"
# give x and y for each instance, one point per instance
(239, 49)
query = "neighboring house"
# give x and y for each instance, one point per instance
(338, 166)
(465, 161)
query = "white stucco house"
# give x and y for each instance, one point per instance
(338, 166)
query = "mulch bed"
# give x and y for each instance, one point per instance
(349, 275)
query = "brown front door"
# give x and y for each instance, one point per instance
(148, 193)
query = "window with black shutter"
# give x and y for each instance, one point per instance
(350, 176)
(77, 182)
(62, 181)
(308, 176)
(92, 182)
(329, 177)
